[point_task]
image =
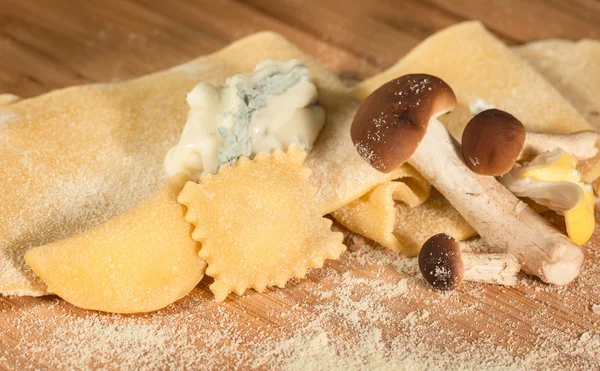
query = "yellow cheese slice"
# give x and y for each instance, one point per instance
(580, 220)
(556, 168)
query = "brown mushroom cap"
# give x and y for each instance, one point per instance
(391, 122)
(492, 141)
(441, 262)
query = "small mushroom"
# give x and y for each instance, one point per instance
(494, 140)
(398, 123)
(354, 242)
(445, 267)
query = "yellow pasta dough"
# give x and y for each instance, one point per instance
(258, 223)
(573, 68)
(374, 216)
(140, 261)
(415, 225)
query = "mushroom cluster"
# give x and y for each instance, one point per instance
(398, 123)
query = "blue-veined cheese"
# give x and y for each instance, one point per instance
(270, 108)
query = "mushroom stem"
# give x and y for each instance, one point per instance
(500, 269)
(581, 144)
(494, 212)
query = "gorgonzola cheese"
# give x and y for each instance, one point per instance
(271, 108)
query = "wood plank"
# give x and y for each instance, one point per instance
(529, 20)
(216, 18)
(49, 44)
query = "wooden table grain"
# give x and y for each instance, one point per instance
(50, 44)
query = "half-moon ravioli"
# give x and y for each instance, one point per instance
(258, 223)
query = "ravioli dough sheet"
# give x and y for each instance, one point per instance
(478, 66)
(573, 68)
(74, 158)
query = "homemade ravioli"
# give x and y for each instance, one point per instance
(258, 223)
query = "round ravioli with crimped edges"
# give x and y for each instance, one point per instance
(258, 223)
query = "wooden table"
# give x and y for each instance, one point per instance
(50, 44)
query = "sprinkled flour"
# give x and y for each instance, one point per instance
(369, 310)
